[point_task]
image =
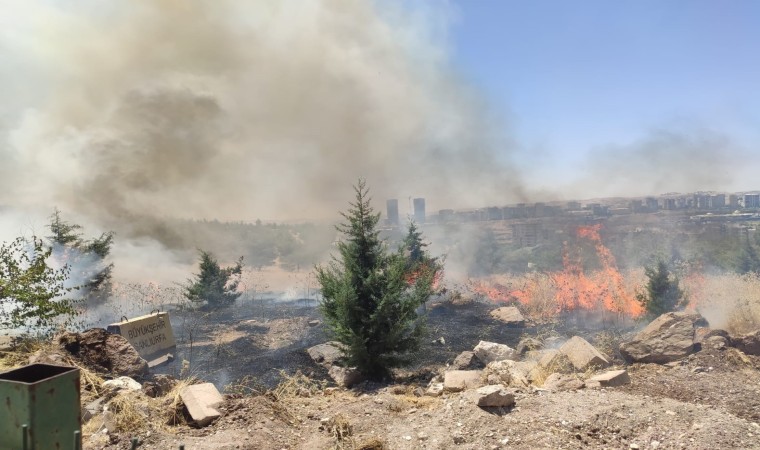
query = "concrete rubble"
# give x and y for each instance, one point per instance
(201, 401)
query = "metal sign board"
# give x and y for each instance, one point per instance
(151, 335)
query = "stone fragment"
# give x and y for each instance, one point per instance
(667, 338)
(562, 382)
(459, 380)
(552, 360)
(528, 344)
(123, 384)
(326, 354)
(465, 360)
(201, 401)
(315, 322)
(92, 409)
(434, 390)
(345, 376)
(506, 372)
(611, 378)
(748, 343)
(509, 315)
(583, 355)
(494, 396)
(488, 352)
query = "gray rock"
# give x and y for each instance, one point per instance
(345, 377)
(465, 360)
(611, 378)
(495, 396)
(122, 384)
(748, 343)
(459, 380)
(667, 338)
(326, 354)
(562, 382)
(509, 315)
(583, 355)
(528, 344)
(488, 352)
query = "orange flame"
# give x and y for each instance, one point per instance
(574, 289)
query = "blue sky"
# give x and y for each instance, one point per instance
(572, 76)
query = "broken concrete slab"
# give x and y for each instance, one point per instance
(345, 376)
(326, 354)
(459, 380)
(201, 401)
(583, 355)
(495, 396)
(509, 315)
(610, 378)
(488, 352)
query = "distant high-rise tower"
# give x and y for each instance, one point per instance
(392, 208)
(419, 210)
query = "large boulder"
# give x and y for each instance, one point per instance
(583, 355)
(488, 352)
(104, 352)
(667, 338)
(510, 315)
(748, 343)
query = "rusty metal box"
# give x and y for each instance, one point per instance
(39, 408)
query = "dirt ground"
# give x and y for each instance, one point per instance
(710, 400)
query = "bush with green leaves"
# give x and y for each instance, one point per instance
(368, 302)
(33, 294)
(215, 286)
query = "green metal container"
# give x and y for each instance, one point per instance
(39, 408)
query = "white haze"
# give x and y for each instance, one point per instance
(237, 110)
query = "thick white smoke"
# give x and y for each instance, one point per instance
(236, 110)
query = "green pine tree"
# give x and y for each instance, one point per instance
(87, 258)
(215, 286)
(368, 302)
(662, 292)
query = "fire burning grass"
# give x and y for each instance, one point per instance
(544, 296)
